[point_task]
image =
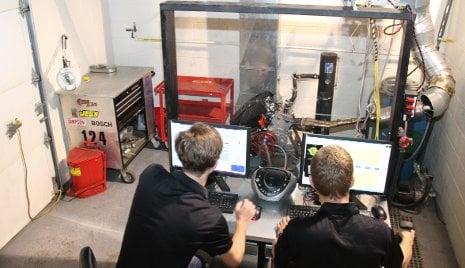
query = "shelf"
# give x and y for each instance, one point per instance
(205, 111)
(215, 108)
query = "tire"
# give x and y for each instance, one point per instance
(126, 177)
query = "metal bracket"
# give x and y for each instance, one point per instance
(47, 140)
(35, 77)
(379, 3)
(39, 108)
(23, 7)
(132, 30)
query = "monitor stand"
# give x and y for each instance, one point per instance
(353, 198)
(216, 179)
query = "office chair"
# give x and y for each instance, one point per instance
(201, 259)
(87, 258)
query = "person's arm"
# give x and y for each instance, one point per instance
(406, 245)
(245, 211)
(279, 230)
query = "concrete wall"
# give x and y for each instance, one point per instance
(446, 149)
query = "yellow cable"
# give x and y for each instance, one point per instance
(58, 196)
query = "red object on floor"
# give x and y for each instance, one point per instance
(88, 172)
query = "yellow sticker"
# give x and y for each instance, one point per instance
(75, 171)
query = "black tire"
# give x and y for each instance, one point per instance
(126, 177)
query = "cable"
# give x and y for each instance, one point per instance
(377, 99)
(423, 68)
(389, 49)
(284, 153)
(362, 88)
(426, 180)
(420, 52)
(58, 196)
(411, 72)
(393, 32)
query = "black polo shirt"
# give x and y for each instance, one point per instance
(170, 219)
(337, 236)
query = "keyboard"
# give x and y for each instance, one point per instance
(298, 211)
(226, 202)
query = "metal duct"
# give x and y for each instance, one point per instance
(441, 84)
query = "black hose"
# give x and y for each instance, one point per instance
(426, 179)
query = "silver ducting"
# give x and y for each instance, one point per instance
(440, 83)
(385, 116)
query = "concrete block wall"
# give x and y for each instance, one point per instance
(445, 155)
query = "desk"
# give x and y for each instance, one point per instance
(262, 231)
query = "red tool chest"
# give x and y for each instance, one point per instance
(88, 172)
(200, 99)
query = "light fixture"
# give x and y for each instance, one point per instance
(68, 78)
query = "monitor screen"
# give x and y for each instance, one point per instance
(371, 161)
(234, 158)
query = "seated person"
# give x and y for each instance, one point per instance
(171, 217)
(338, 235)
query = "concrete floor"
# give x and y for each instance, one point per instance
(98, 221)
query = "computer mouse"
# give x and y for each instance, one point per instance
(258, 213)
(406, 225)
(378, 212)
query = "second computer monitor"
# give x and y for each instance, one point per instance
(371, 161)
(234, 158)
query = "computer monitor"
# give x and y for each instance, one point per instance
(234, 158)
(371, 159)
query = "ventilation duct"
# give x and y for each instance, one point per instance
(441, 85)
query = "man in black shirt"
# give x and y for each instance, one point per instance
(338, 235)
(171, 218)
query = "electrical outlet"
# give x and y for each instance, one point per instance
(12, 127)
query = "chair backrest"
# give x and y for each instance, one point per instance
(87, 258)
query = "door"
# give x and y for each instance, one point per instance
(26, 165)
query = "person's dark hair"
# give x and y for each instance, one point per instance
(332, 171)
(199, 147)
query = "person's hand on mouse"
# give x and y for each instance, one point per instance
(282, 225)
(406, 244)
(244, 210)
(407, 235)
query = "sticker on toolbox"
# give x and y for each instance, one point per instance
(75, 171)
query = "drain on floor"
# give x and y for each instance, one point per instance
(396, 217)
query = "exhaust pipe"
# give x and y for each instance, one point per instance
(441, 84)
